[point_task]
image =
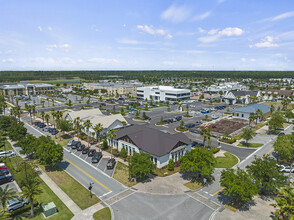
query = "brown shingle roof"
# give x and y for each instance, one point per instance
(281, 92)
(151, 140)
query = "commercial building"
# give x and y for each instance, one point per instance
(242, 97)
(226, 87)
(162, 146)
(244, 112)
(162, 93)
(26, 89)
(114, 88)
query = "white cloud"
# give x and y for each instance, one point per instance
(95, 28)
(102, 60)
(169, 36)
(229, 31)
(215, 34)
(8, 60)
(243, 59)
(176, 14)
(40, 28)
(49, 28)
(64, 47)
(150, 30)
(267, 42)
(202, 16)
(170, 63)
(283, 16)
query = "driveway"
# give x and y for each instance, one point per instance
(146, 206)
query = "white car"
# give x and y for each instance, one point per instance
(16, 204)
(286, 169)
(9, 153)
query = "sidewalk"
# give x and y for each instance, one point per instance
(88, 213)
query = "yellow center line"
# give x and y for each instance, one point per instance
(269, 152)
(88, 175)
(218, 191)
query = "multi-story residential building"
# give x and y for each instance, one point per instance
(26, 89)
(162, 146)
(162, 93)
(276, 94)
(242, 97)
(114, 88)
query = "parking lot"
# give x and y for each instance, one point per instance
(101, 165)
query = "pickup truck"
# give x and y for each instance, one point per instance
(111, 163)
(9, 153)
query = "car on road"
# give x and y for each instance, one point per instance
(81, 147)
(97, 156)
(91, 152)
(111, 163)
(86, 150)
(5, 179)
(16, 204)
(70, 142)
(75, 144)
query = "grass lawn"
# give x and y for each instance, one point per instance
(165, 172)
(226, 162)
(45, 197)
(182, 129)
(253, 145)
(161, 123)
(63, 140)
(121, 174)
(6, 147)
(78, 193)
(193, 185)
(104, 214)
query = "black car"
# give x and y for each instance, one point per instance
(41, 125)
(81, 147)
(86, 150)
(111, 163)
(54, 131)
(37, 123)
(281, 134)
(97, 156)
(91, 152)
(5, 179)
(75, 144)
(178, 118)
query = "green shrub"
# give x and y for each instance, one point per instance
(105, 144)
(215, 150)
(23, 209)
(170, 165)
(228, 140)
(123, 152)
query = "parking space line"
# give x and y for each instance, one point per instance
(88, 175)
(269, 152)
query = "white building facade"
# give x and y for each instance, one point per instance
(163, 93)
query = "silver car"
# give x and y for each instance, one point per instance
(16, 204)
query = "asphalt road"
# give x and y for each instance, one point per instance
(146, 206)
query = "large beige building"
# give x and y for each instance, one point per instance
(26, 89)
(113, 88)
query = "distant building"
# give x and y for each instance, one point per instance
(276, 94)
(163, 93)
(114, 88)
(226, 87)
(244, 112)
(27, 89)
(162, 146)
(242, 97)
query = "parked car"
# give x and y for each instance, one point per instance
(91, 152)
(286, 169)
(86, 150)
(75, 144)
(48, 129)
(54, 131)
(178, 118)
(81, 147)
(97, 156)
(41, 125)
(70, 142)
(111, 163)
(5, 179)
(9, 153)
(281, 134)
(16, 204)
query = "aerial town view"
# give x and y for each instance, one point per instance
(140, 110)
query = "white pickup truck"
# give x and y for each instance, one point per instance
(9, 153)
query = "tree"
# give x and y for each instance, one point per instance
(206, 134)
(266, 174)
(259, 115)
(6, 195)
(238, 184)
(111, 134)
(50, 153)
(141, 165)
(77, 123)
(276, 122)
(42, 115)
(289, 114)
(284, 147)
(53, 116)
(137, 114)
(105, 144)
(123, 152)
(122, 111)
(88, 125)
(199, 161)
(252, 117)
(47, 118)
(58, 116)
(69, 103)
(98, 128)
(247, 134)
(285, 103)
(182, 124)
(16, 131)
(170, 165)
(29, 109)
(30, 191)
(27, 144)
(272, 109)
(65, 125)
(144, 116)
(285, 203)
(113, 109)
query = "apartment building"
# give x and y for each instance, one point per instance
(26, 89)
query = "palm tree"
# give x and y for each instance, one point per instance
(58, 116)
(42, 115)
(34, 110)
(53, 116)
(285, 203)
(30, 191)
(111, 134)
(88, 125)
(259, 115)
(6, 195)
(42, 103)
(285, 103)
(98, 128)
(272, 109)
(47, 117)
(77, 123)
(29, 109)
(206, 134)
(252, 117)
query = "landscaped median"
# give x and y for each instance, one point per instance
(121, 174)
(78, 193)
(103, 214)
(226, 162)
(251, 145)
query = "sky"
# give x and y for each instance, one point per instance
(146, 35)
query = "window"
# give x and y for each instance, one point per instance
(242, 115)
(155, 160)
(151, 158)
(237, 114)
